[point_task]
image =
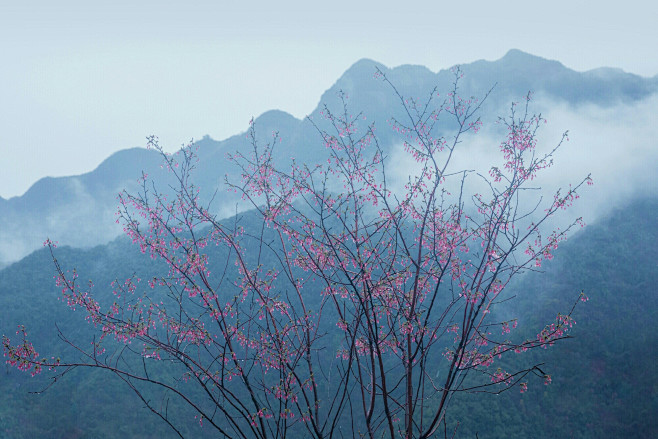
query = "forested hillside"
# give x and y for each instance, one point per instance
(604, 379)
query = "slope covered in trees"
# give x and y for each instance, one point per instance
(603, 379)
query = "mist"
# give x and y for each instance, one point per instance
(617, 145)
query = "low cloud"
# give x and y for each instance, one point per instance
(617, 145)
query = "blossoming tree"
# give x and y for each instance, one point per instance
(352, 306)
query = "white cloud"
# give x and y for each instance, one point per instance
(617, 145)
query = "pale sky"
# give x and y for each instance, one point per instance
(82, 79)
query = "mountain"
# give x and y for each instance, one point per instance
(603, 379)
(514, 76)
(79, 210)
(87, 404)
(518, 72)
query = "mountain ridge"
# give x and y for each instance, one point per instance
(58, 206)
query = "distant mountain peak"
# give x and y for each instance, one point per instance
(276, 120)
(609, 73)
(363, 68)
(366, 63)
(276, 115)
(519, 59)
(519, 54)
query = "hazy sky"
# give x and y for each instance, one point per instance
(82, 79)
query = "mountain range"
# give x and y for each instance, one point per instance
(80, 210)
